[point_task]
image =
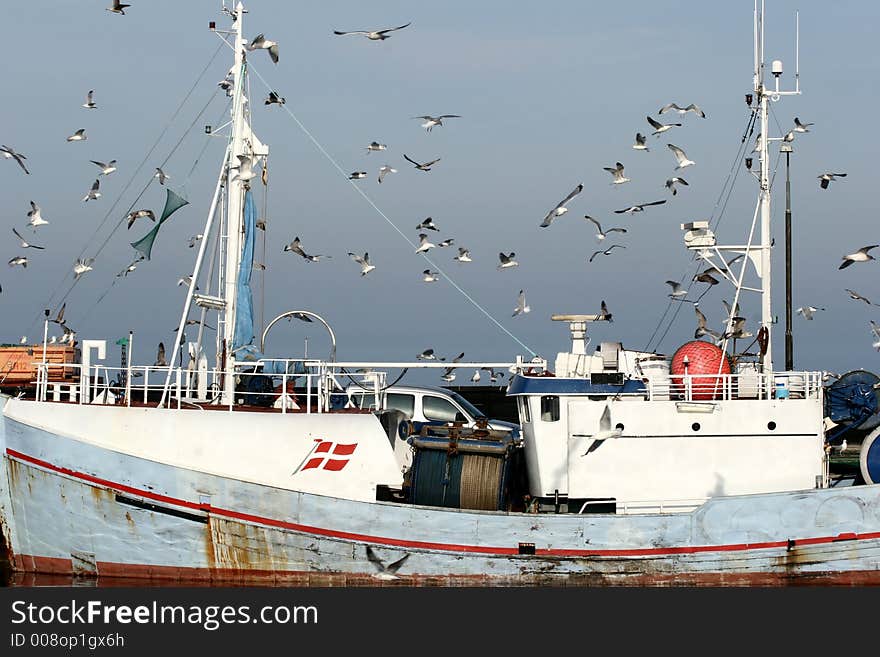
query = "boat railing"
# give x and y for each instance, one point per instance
(646, 506)
(744, 385)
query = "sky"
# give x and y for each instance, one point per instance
(548, 95)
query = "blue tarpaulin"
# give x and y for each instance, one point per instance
(244, 302)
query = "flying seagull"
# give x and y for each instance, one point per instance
(193, 240)
(602, 234)
(421, 167)
(427, 354)
(24, 243)
(117, 7)
(364, 262)
(294, 247)
(137, 214)
(447, 242)
(606, 251)
(384, 171)
(507, 260)
(93, 192)
(677, 290)
(90, 103)
(801, 127)
(670, 184)
(876, 331)
(861, 255)
(680, 157)
(604, 315)
(18, 260)
(161, 175)
(424, 244)
(79, 135)
(376, 146)
(826, 178)
(373, 35)
(106, 169)
(560, 208)
(383, 571)
(639, 208)
(661, 127)
(617, 173)
(430, 276)
(81, 266)
(464, 255)
(683, 110)
(431, 121)
(160, 356)
(36, 219)
(808, 311)
(427, 224)
(855, 296)
(702, 329)
(605, 431)
(59, 318)
(521, 306)
(260, 42)
(274, 99)
(9, 153)
(357, 175)
(640, 144)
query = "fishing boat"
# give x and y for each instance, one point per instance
(628, 467)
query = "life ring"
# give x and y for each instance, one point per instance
(763, 339)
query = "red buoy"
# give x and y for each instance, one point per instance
(696, 358)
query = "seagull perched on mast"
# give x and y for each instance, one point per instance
(260, 42)
(861, 255)
(374, 35)
(560, 208)
(431, 121)
(9, 153)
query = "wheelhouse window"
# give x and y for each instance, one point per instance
(442, 410)
(550, 408)
(524, 412)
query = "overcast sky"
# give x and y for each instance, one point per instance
(548, 94)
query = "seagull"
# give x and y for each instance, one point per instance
(671, 184)
(464, 255)
(521, 306)
(161, 175)
(789, 136)
(117, 7)
(421, 167)
(195, 322)
(186, 280)
(475, 377)
(661, 127)
(602, 234)
(560, 208)
(677, 290)
(431, 121)
(826, 178)
(808, 311)
(93, 192)
(507, 260)
(9, 153)
(23, 340)
(855, 296)
(260, 42)
(59, 318)
(758, 143)
(81, 266)
(801, 127)
(160, 356)
(430, 276)
(137, 214)
(640, 142)
(376, 146)
(839, 449)
(294, 247)
(446, 242)
(364, 262)
(106, 169)
(876, 331)
(604, 315)
(357, 175)
(385, 170)
(424, 244)
(79, 135)
(680, 156)
(448, 375)
(19, 260)
(36, 219)
(427, 354)
(702, 329)
(427, 224)
(606, 251)
(706, 277)
(90, 103)
(24, 243)
(683, 110)
(605, 431)
(617, 173)
(373, 35)
(194, 239)
(274, 99)
(245, 168)
(861, 255)
(639, 208)
(129, 269)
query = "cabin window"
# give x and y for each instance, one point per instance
(404, 403)
(439, 409)
(550, 408)
(524, 410)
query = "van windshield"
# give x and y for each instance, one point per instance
(471, 410)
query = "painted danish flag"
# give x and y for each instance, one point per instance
(329, 456)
